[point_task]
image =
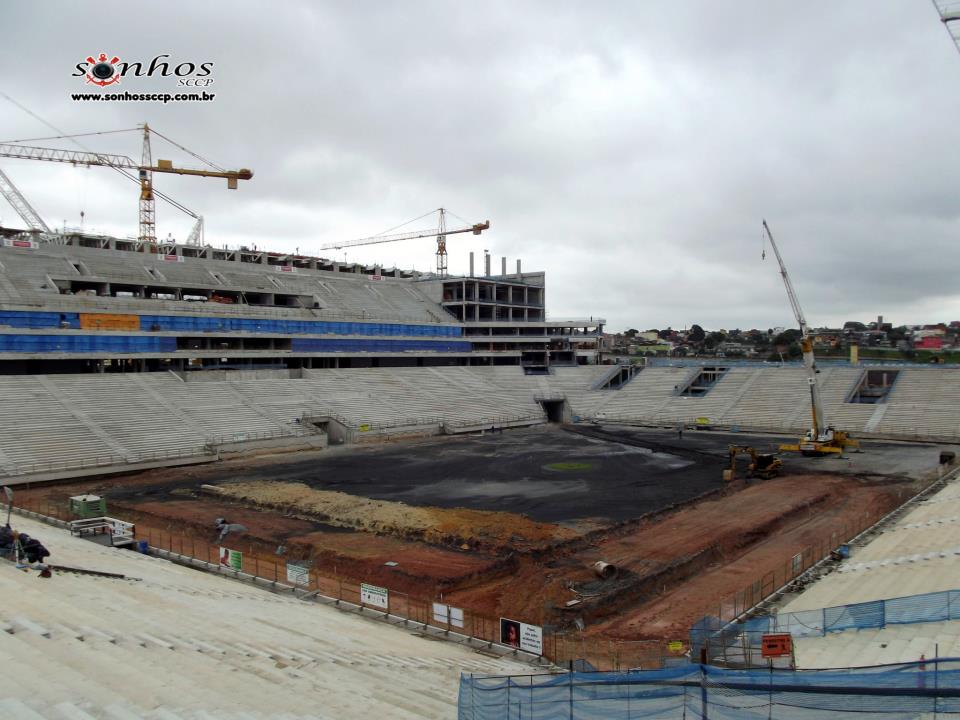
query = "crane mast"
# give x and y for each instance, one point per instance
(819, 432)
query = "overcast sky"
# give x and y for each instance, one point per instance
(628, 149)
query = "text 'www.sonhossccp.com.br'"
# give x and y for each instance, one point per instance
(143, 97)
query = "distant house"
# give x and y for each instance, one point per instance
(929, 342)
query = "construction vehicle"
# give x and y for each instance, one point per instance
(762, 465)
(821, 438)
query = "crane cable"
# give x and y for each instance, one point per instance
(72, 138)
(187, 150)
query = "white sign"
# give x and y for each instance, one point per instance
(376, 596)
(173, 258)
(375, 277)
(298, 574)
(528, 638)
(32, 245)
(286, 268)
(447, 615)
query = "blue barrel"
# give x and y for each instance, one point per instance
(844, 551)
(143, 546)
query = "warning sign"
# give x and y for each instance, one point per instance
(776, 645)
(298, 574)
(375, 596)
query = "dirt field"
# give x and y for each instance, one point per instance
(511, 524)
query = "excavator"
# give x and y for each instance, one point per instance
(821, 439)
(762, 465)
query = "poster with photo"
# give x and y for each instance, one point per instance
(232, 559)
(528, 638)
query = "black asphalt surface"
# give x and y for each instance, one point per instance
(549, 474)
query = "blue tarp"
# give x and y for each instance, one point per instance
(86, 343)
(30, 319)
(291, 327)
(910, 690)
(206, 324)
(359, 345)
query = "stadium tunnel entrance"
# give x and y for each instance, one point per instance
(556, 408)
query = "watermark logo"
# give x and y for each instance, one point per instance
(101, 71)
(105, 70)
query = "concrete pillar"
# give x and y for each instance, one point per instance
(486, 263)
(519, 274)
(471, 264)
(503, 265)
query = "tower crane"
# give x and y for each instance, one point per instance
(441, 234)
(950, 17)
(821, 438)
(19, 203)
(145, 169)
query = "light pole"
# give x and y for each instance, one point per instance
(9, 493)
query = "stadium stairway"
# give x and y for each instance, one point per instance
(171, 642)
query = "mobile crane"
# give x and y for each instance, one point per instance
(821, 438)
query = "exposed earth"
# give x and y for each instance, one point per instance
(511, 524)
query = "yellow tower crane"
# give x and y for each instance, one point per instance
(441, 234)
(145, 169)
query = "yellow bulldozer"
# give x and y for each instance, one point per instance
(762, 465)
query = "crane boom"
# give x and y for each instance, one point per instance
(79, 157)
(19, 203)
(476, 229)
(819, 432)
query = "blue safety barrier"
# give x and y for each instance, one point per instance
(908, 690)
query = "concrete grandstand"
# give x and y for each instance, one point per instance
(141, 637)
(118, 356)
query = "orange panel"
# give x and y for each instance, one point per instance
(107, 321)
(776, 645)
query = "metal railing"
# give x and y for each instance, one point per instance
(106, 460)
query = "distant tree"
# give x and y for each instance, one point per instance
(854, 325)
(631, 333)
(714, 339)
(787, 337)
(897, 334)
(696, 334)
(665, 334)
(794, 351)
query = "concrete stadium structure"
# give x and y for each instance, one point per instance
(75, 303)
(117, 355)
(160, 641)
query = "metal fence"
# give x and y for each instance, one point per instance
(266, 568)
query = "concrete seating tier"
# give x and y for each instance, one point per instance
(25, 278)
(180, 643)
(61, 418)
(918, 554)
